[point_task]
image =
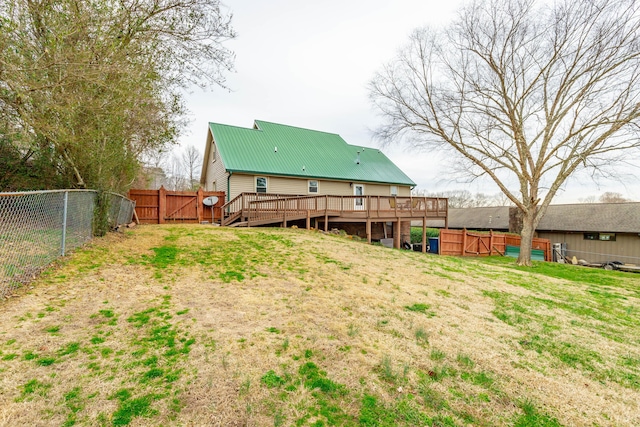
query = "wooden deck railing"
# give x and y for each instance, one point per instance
(261, 207)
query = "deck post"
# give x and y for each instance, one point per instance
(396, 233)
(368, 201)
(284, 214)
(316, 222)
(424, 234)
(369, 230)
(308, 219)
(326, 212)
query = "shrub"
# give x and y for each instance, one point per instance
(416, 234)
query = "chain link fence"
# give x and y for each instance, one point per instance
(36, 227)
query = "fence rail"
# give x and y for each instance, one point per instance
(36, 227)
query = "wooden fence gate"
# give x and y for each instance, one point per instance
(161, 206)
(479, 245)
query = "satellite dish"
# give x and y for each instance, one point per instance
(210, 201)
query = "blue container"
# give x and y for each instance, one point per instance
(433, 245)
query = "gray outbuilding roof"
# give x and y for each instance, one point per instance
(493, 217)
(589, 217)
(611, 217)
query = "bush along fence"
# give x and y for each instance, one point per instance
(36, 227)
(468, 243)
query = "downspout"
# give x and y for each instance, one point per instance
(229, 186)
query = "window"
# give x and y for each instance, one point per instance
(261, 184)
(313, 186)
(394, 190)
(358, 190)
(214, 186)
(213, 152)
(605, 237)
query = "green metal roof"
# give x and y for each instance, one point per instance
(274, 149)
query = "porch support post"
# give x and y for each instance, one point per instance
(424, 234)
(326, 221)
(308, 220)
(284, 214)
(368, 230)
(396, 233)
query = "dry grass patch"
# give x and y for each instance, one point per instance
(196, 325)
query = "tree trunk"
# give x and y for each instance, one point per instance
(526, 235)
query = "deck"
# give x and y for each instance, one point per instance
(254, 209)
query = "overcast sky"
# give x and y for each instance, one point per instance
(308, 63)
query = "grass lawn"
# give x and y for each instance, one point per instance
(199, 325)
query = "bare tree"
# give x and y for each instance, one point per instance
(192, 163)
(465, 199)
(522, 91)
(176, 179)
(612, 197)
(587, 199)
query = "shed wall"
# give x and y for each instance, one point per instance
(626, 247)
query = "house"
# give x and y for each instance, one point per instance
(273, 173)
(150, 178)
(281, 159)
(595, 232)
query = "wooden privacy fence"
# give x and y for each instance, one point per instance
(161, 206)
(468, 243)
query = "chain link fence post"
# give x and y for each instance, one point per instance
(64, 222)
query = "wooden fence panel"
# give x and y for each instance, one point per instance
(160, 206)
(465, 243)
(146, 205)
(451, 242)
